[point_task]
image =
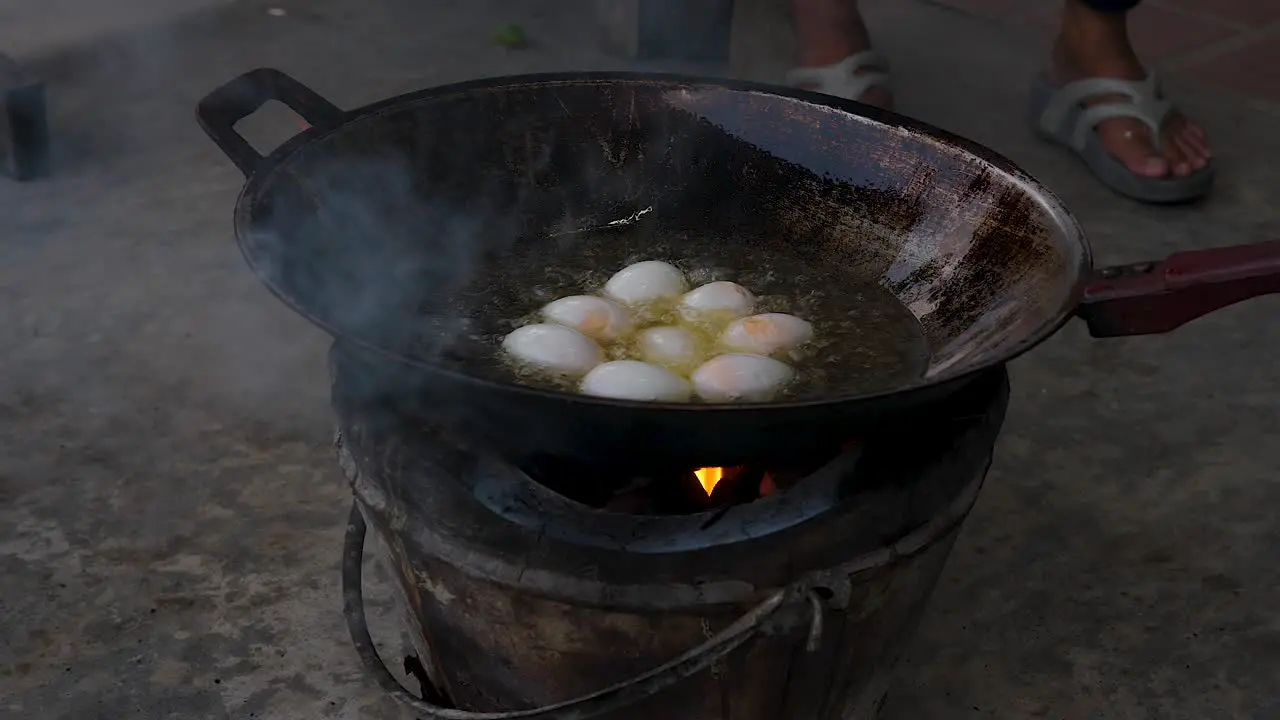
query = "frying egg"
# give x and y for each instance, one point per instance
(668, 345)
(741, 377)
(553, 347)
(592, 316)
(634, 380)
(718, 298)
(767, 334)
(645, 282)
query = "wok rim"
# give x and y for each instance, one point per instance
(1046, 198)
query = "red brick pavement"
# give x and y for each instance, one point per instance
(1233, 44)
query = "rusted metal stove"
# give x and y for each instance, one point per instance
(788, 593)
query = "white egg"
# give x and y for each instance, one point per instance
(767, 334)
(592, 316)
(668, 345)
(741, 378)
(634, 380)
(554, 347)
(645, 282)
(717, 298)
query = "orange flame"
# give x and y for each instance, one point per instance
(709, 476)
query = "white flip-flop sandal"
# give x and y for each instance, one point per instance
(1061, 116)
(848, 79)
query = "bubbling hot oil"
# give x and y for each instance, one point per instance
(864, 339)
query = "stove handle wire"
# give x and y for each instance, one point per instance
(580, 708)
(816, 609)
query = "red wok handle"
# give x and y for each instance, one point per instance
(1155, 297)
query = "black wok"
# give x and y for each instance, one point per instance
(394, 226)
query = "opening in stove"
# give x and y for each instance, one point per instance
(678, 490)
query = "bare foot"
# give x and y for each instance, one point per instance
(829, 31)
(1096, 45)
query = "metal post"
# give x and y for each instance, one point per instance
(24, 125)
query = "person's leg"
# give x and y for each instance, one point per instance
(1112, 6)
(829, 31)
(1094, 43)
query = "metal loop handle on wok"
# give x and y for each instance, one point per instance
(580, 708)
(221, 109)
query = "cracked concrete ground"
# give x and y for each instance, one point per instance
(170, 511)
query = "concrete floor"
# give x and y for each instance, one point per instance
(170, 512)
(37, 26)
